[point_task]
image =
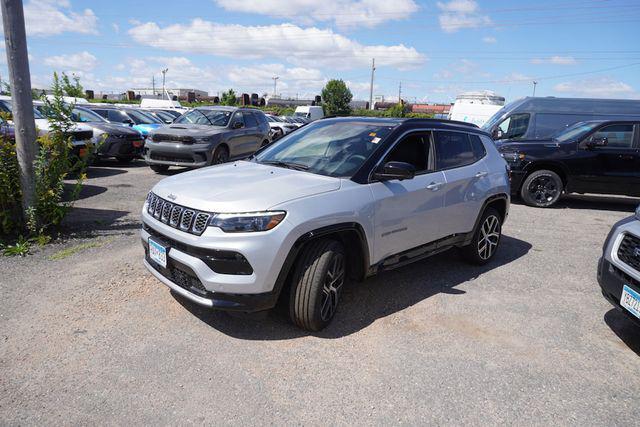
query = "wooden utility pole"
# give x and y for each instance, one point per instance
(15, 39)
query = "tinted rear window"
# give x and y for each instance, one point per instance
(454, 149)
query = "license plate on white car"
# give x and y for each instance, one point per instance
(157, 253)
(630, 300)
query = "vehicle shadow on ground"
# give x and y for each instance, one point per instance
(625, 329)
(86, 191)
(375, 298)
(593, 202)
(89, 221)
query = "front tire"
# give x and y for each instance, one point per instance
(317, 284)
(541, 189)
(220, 155)
(159, 168)
(486, 239)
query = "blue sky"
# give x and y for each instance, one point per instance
(437, 49)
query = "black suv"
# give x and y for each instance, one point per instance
(207, 136)
(599, 156)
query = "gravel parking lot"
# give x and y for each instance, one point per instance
(87, 336)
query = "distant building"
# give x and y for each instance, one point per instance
(178, 92)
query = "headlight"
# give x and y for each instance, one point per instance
(247, 222)
(513, 157)
(638, 213)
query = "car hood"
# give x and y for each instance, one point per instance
(511, 146)
(242, 187)
(195, 131)
(113, 129)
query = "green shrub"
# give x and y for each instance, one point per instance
(53, 164)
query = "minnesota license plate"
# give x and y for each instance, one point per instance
(157, 253)
(630, 300)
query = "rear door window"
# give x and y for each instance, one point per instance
(454, 150)
(249, 120)
(618, 136)
(117, 116)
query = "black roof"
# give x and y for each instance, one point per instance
(412, 123)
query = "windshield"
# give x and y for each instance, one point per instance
(141, 118)
(199, 116)
(36, 114)
(335, 149)
(299, 114)
(85, 116)
(575, 131)
(493, 120)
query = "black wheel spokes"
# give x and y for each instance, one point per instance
(543, 189)
(333, 283)
(489, 237)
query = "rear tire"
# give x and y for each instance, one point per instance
(159, 168)
(220, 155)
(123, 159)
(486, 239)
(317, 283)
(541, 189)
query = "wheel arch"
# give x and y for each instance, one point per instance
(556, 167)
(350, 234)
(500, 202)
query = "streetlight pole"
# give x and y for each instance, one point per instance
(535, 83)
(373, 69)
(275, 85)
(164, 75)
(15, 39)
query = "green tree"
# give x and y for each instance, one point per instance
(336, 97)
(398, 110)
(229, 98)
(70, 88)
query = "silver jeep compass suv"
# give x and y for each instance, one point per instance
(337, 200)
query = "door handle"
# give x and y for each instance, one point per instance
(482, 174)
(434, 186)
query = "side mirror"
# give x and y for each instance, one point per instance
(127, 122)
(237, 125)
(497, 134)
(395, 170)
(597, 142)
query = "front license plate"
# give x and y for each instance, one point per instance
(157, 253)
(630, 300)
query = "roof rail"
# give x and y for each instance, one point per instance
(454, 122)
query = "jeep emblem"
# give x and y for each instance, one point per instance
(173, 197)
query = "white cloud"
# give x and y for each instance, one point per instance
(116, 28)
(489, 40)
(458, 14)
(82, 61)
(555, 60)
(305, 82)
(601, 87)
(344, 13)
(299, 46)
(51, 17)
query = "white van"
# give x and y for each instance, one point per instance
(310, 112)
(476, 107)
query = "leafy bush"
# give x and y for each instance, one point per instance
(54, 162)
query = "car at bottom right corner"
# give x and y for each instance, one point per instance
(619, 267)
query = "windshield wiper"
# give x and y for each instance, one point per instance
(205, 116)
(288, 165)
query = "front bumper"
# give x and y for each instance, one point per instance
(613, 273)
(191, 273)
(121, 147)
(177, 154)
(516, 178)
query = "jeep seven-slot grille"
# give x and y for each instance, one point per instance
(176, 216)
(629, 251)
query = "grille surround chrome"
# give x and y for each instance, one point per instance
(181, 218)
